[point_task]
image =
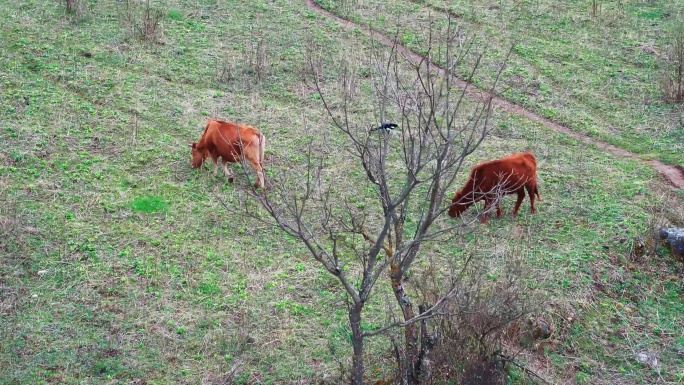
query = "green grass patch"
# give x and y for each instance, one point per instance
(149, 204)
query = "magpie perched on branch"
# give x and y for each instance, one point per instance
(385, 127)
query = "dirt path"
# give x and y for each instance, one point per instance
(672, 174)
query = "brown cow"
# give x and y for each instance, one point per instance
(232, 143)
(489, 180)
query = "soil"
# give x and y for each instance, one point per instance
(672, 174)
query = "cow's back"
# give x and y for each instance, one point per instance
(512, 170)
(529, 163)
(228, 140)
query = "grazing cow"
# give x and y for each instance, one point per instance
(489, 180)
(232, 143)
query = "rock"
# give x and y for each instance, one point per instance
(642, 357)
(649, 50)
(638, 248)
(647, 358)
(542, 331)
(674, 241)
(538, 328)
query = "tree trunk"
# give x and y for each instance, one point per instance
(424, 369)
(357, 344)
(410, 332)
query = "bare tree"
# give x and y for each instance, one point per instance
(410, 174)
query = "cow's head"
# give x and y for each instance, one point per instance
(460, 203)
(198, 156)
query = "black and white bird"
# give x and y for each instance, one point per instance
(385, 127)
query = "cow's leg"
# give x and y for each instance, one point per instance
(253, 159)
(486, 210)
(498, 208)
(227, 172)
(531, 188)
(521, 196)
(260, 175)
(214, 159)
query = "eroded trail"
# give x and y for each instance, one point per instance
(673, 174)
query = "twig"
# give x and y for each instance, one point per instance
(524, 369)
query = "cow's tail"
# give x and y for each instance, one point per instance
(262, 146)
(536, 191)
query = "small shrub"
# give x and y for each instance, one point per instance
(595, 8)
(484, 371)
(257, 57)
(480, 318)
(12, 227)
(10, 231)
(225, 70)
(672, 81)
(251, 67)
(143, 20)
(76, 8)
(72, 6)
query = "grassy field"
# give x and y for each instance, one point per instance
(596, 72)
(119, 263)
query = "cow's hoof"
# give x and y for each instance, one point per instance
(230, 179)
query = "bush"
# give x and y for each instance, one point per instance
(673, 78)
(143, 21)
(76, 9)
